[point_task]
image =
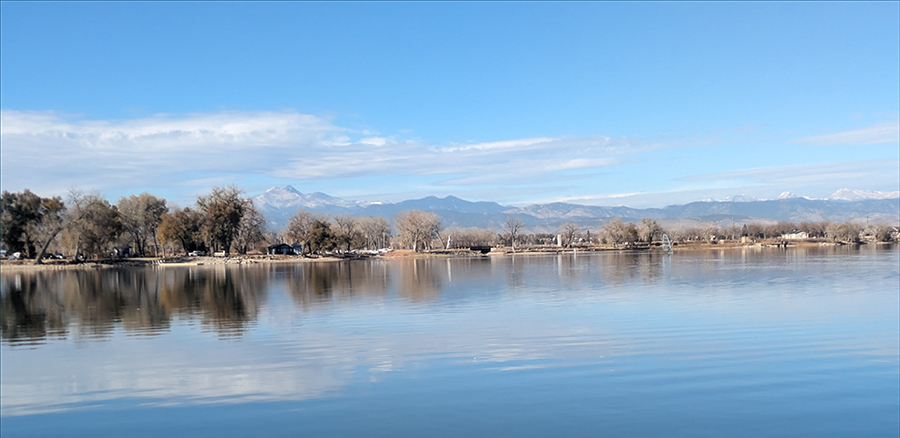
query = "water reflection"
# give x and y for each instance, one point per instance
(29, 309)
(317, 283)
(90, 304)
(618, 323)
(421, 280)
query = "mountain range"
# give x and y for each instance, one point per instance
(280, 203)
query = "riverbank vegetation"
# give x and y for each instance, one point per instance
(86, 226)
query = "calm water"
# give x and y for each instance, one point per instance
(796, 343)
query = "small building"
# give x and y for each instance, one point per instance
(298, 248)
(121, 252)
(796, 235)
(281, 248)
(484, 249)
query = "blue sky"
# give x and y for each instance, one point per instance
(644, 104)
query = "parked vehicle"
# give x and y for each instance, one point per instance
(196, 253)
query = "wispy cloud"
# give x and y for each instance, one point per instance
(887, 133)
(509, 144)
(44, 146)
(175, 150)
(178, 156)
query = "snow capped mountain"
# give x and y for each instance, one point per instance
(856, 195)
(280, 203)
(840, 195)
(735, 198)
(289, 197)
(741, 198)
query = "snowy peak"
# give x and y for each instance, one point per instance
(281, 192)
(840, 195)
(741, 198)
(289, 197)
(289, 189)
(856, 195)
(735, 198)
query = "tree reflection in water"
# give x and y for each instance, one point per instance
(419, 280)
(314, 284)
(35, 306)
(89, 304)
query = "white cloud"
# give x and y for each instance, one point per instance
(177, 150)
(374, 141)
(882, 133)
(584, 163)
(178, 156)
(50, 151)
(508, 144)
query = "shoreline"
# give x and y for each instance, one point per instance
(52, 265)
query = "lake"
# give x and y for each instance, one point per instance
(755, 342)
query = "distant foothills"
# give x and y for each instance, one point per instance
(85, 226)
(280, 203)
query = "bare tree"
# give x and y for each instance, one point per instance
(299, 227)
(731, 232)
(779, 229)
(51, 223)
(755, 231)
(852, 231)
(833, 231)
(618, 232)
(469, 237)
(711, 232)
(251, 229)
(882, 232)
(140, 216)
(846, 232)
(569, 231)
(650, 230)
(813, 229)
(374, 231)
(345, 229)
(93, 223)
(181, 226)
(513, 226)
(417, 227)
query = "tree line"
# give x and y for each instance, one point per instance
(226, 220)
(88, 225)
